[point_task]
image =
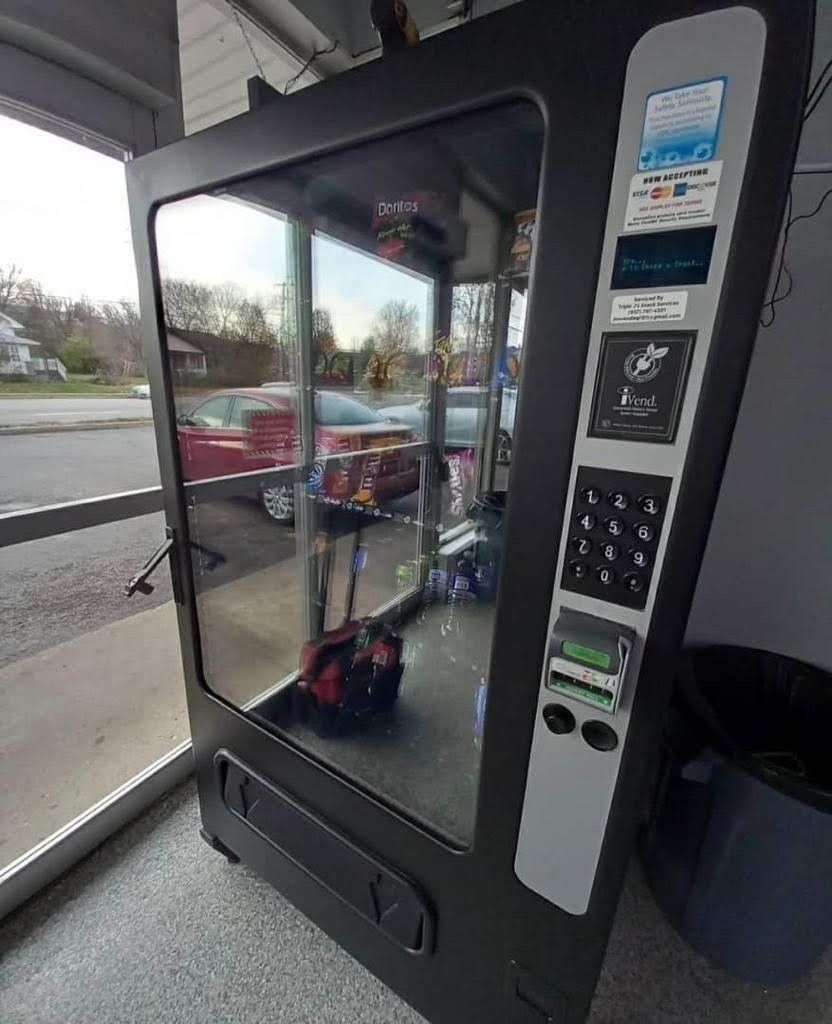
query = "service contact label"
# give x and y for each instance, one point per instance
(649, 308)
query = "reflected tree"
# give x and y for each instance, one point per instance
(393, 337)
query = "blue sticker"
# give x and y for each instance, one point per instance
(681, 125)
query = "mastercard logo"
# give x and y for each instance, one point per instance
(661, 192)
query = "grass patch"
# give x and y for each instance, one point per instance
(78, 384)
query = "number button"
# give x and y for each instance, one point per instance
(639, 558)
(619, 500)
(582, 545)
(591, 495)
(614, 527)
(610, 551)
(649, 504)
(587, 521)
(577, 569)
(606, 576)
(633, 582)
(645, 532)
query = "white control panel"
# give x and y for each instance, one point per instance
(687, 113)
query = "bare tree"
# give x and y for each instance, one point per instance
(188, 305)
(393, 338)
(11, 285)
(252, 324)
(324, 342)
(226, 300)
(53, 319)
(125, 324)
(472, 317)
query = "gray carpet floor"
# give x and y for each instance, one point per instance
(155, 928)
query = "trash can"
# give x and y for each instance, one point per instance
(738, 850)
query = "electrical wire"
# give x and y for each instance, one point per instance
(818, 80)
(315, 54)
(766, 320)
(814, 104)
(236, 15)
(813, 100)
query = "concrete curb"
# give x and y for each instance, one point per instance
(49, 395)
(62, 428)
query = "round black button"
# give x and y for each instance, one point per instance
(586, 521)
(599, 735)
(649, 504)
(605, 575)
(577, 569)
(639, 558)
(633, 582)
(558, 719)
(614, 527)
(591, 495)
(645, 532)
(582, 545)
(619, 500)
(610, 551)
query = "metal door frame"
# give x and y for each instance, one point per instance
(476, 892)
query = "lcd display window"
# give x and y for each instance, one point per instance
(662, 259)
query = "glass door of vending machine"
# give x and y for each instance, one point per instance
(443, 383)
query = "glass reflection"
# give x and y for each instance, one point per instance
(345, 338)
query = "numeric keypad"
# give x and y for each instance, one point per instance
(617, 519)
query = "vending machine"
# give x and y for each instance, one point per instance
(446, 354)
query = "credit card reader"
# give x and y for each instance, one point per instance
(588, 659)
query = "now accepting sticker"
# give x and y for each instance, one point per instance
(673, 197)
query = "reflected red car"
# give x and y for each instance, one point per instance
(245, 429)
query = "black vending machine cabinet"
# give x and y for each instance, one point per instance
(445, 355)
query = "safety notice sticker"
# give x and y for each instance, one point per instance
(649, 308)
(681, 125)
(673, 197)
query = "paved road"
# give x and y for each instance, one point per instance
(61, 587)
(27, 412)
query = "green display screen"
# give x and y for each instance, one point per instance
(586, 655)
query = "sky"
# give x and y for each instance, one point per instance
(64, 219)
(252, 252)
(63, 215)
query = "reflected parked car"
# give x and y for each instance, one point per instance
(244, 429)
(464, 419)
(140, 391)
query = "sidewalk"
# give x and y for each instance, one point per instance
(82, 717)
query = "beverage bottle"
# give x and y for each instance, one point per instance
(435, 591)
(461, 593)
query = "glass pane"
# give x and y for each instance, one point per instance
(91, 688)
(364, 317)
(73, 390)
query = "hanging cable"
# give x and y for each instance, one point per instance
(235, 14)
(818, 80)
(315, 54)
(783, 269)
(814, 104)
(813, 100)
